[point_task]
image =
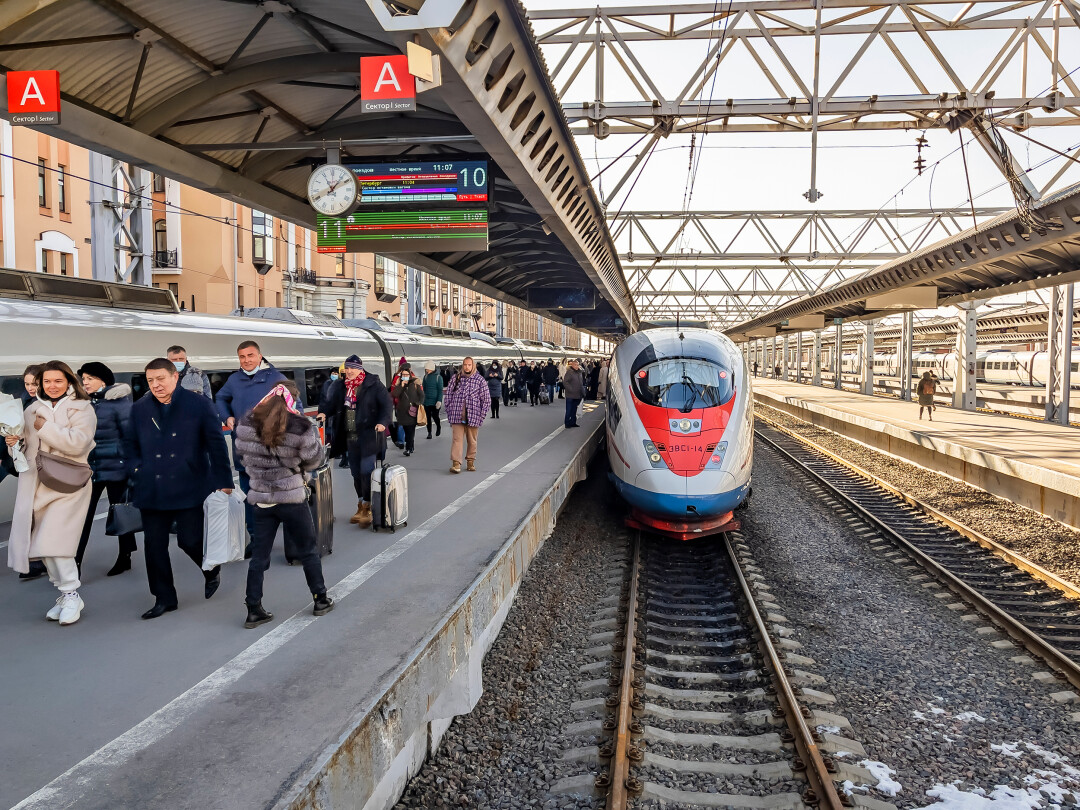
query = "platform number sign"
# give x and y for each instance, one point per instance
(33, 97)
(386, 84)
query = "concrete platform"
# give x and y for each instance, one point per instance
(192, 710)
(1032, 463)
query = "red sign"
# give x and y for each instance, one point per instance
(33, 96)
(386, 84)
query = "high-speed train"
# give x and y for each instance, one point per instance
(680, 430)
(994, 366)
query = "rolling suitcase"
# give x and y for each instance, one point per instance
(545, 397)
(321, 504)
(389, 496)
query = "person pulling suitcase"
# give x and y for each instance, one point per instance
(277, 445)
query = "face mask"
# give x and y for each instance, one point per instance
(333, 376)
(250, 373)
(404, 377)
(179, 364)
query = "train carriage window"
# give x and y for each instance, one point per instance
(1075, 367)
(314, 378)
(13, 386)
(138, 386)
(217, 380)
(683, 383)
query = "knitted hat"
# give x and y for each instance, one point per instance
(402, 362)
(99, 370)
(354, 362)
(429, 366)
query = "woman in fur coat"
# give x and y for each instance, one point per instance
(46, 524)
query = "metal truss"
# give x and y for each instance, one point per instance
(938, 64)
(727, 266)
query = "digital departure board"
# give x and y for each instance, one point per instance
(458, 229)
(410, 184)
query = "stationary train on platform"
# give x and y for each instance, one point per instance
(998, 366)
(680, 430)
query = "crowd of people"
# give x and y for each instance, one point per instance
(160, 456)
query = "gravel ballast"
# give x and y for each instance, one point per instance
(1052, 545)
(507, 753)
(925, 693)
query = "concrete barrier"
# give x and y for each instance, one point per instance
(369, 766)
(1049, 492)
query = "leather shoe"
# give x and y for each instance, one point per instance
(158, 610)
(122, 564)
(213, 581)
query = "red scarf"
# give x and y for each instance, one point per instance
(350, 390)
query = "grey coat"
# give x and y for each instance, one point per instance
(277, 474)
(573, 383)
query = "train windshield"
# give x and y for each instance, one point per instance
(683, 383)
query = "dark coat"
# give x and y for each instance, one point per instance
(277, 474)
(573, 382)
(494, 381)
(112, 406)
(373, 407)
(551, 374)
(178, 452)
(521, 375)
(405, 397)
(433, 389)
(241, 393)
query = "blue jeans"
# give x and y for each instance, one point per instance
(551, 392)
(571, 412)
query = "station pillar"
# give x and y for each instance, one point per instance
(1059, 354)
(838, 358)
(121, 221)
(867, 383)
(784, 368)
(815, 379)
(904, 352)
(798, 358)
(964, 384)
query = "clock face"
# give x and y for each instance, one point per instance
(332, 190)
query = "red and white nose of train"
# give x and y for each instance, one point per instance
(680, 429)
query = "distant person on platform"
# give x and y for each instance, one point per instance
(550, 375)
(574, 389)
(180, 457)
(29, 394)
(494, 376)
(244, 390)
(521, 382)
(324, 392)
(925, 391)
(433, 397)
(593, 385)
(191, 378)
(359, 409)
(407, 395)
(755, 367)
(467, 402)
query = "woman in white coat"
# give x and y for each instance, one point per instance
(47, 524)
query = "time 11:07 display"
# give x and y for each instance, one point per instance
(421, 183)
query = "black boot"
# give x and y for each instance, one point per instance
(122, 564)
(323, 604)
(257, 615)
(212, 581)
(37, 569)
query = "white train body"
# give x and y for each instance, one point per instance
(997, 366)
(680, 429)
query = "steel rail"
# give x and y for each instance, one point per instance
(619, 789)
(1031, 640)
(817, 773)
(1023, 563)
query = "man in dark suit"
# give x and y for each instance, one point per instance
(179, 457)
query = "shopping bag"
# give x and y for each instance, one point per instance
(124, 518)
(224, 532)
(421, 416)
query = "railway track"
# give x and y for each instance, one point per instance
(709, 709)
(1033, 606)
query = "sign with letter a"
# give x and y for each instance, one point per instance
(386, 84)
(33, 97)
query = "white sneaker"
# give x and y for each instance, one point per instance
(54, 612)
(71, 609)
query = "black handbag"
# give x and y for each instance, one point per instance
(124, 518)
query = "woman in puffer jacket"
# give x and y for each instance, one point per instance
(112, 405)
(277, 444)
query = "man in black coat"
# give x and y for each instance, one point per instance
(551, 376)
(522, 378)
(179, 456)
(358, 409)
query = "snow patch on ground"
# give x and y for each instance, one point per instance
(883, 773)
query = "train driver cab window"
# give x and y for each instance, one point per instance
(683, 383)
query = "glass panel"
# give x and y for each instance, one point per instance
(685, 384)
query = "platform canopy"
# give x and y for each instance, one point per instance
(1014, 252)
(243, 98)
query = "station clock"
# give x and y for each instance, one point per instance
(332, 190)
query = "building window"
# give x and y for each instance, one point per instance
(240, 296)
(175, 290)
(44, 261)
(63, 264)
(386, 279)
(445, 285)
(161, 237)
(262, 239)
(262, 297)
(339, 266)
(277, 299)
(61, 189)
(341, 307)
(433, 296)
(159, 184)
(43, 199)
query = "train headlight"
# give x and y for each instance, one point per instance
(655, 459)
(717, 457)
(684, 425)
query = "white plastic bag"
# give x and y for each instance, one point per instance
(11, 424)
(224, 532)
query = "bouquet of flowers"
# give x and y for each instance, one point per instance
(11, 424)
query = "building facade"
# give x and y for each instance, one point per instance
(217, 256)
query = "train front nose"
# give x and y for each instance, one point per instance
(661, 493)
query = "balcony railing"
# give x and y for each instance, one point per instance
(165, 258)
(301, 275)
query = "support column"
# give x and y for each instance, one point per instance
(964, 384)
(815, 371)
(798, 358)
(784, 367)
(1059, 354)
(838, 357)
(867, 383)
(7, 189)
(121, 221)
(904, 352)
